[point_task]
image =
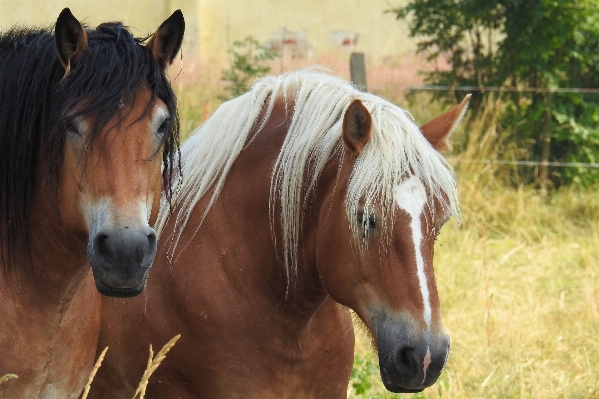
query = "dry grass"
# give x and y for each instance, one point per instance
(153, 363)
(7, 377)
(93, 373)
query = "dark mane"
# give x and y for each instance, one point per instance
(37, 104)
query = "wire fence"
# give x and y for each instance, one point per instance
(533, 163)
(500, 89)
(490, 89)
(503, 89)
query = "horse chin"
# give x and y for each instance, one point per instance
(395, 386)
(107, 290)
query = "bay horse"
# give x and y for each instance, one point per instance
(87, 121)
(300, 200)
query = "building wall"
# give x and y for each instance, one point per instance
(142, 16)
(211, 25)
(379, 34)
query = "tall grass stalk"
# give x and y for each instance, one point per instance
(7, 377)
(93, 373)
(153, 363)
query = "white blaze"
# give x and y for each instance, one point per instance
(427, 361)
(410, 195)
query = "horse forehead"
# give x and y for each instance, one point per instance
(135, 115)
(411, 196)
(141, 101)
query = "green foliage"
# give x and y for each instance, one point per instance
(365, 381)
(247, 60)
(541, 44)
(364, 368)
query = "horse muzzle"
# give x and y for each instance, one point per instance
(410, 359)
(121, 258)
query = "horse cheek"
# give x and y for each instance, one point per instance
(69, 191)
(337, 267)
(155, 190)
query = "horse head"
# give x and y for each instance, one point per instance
(110, 179)
(382, 265)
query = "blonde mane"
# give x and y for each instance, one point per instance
(396, 149)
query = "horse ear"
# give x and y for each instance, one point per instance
(70, 39)
(166, 41)
(357, 127)
(438, 130)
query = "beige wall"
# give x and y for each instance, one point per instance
(379, 34)
(143, 16)
(211, 25)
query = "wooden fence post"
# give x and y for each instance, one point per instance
(546, 144)
(357, 70)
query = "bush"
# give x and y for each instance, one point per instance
(248, 59)
(532, 48)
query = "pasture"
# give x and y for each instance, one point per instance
(518, 286)
(517, 278)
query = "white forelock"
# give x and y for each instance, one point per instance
(317, 101)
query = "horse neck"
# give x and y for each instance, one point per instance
(303, 294)
(306, 293)
(50, 305)
(243, 210)
(51, 273)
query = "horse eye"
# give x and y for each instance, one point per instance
(72, 129)
(360, 217)
(372, 222)
(162, 130)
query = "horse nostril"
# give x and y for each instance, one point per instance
(101, 245)
(152, 240)
(406, 361)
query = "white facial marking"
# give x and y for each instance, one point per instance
(101, 213)
(410, 195)
(426, 363)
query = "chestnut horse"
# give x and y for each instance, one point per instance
(87, 121)
(300, 200)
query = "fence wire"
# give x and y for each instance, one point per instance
(533, 163)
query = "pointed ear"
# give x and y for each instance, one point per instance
(70, 39)
(166, 41)
(438, 130)
(357, 127)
